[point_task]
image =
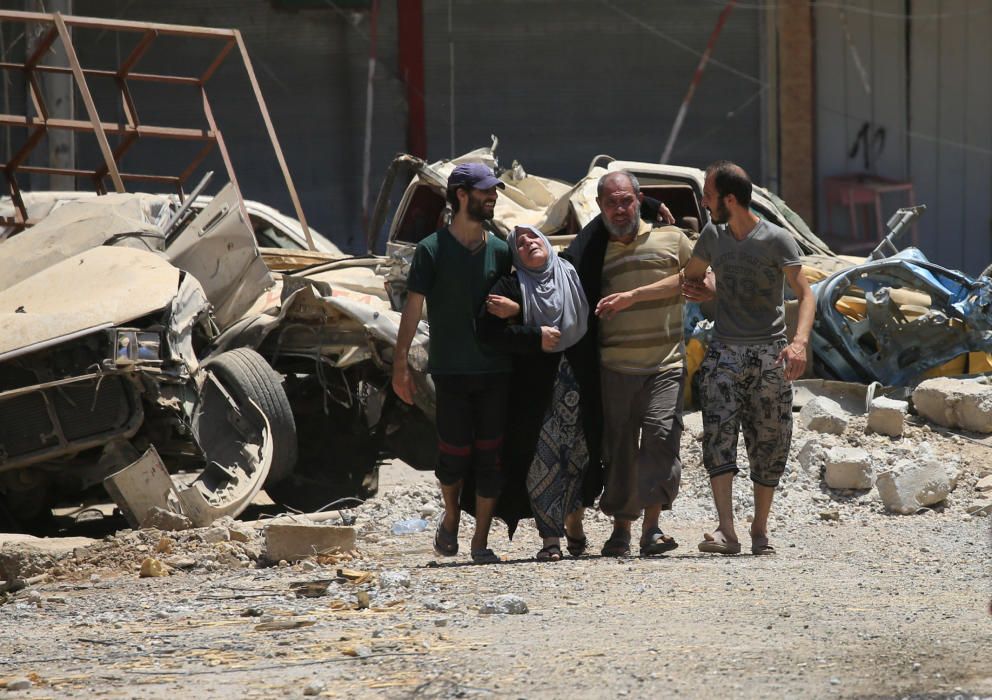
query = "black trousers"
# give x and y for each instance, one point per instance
(471, 414)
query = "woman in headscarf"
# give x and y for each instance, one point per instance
(545, 452)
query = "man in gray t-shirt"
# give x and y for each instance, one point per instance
(746, 376)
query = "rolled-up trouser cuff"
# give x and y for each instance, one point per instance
(722, 469)
(772, 483)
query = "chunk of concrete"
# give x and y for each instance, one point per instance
(295, 541)
(166, 520)
(887, 416)
(984, 484)
(824, 416)
(22, 556)
(811, 457)
(911, 484)
(849, 468)
(955, 403)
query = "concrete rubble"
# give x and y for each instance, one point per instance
(887, 416)
(295, 541)
(912, 484)
(955, 403)
(824, 415)
(849, 468)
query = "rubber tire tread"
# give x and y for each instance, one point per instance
(245, 373)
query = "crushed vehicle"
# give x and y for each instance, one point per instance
(109, 306)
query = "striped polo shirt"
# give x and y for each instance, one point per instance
(646, 337)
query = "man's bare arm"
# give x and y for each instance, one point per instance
(699, 285)
(412, 311)
(664, 288)
(794, 354)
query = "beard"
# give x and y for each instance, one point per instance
(476, 210)
(628, 229)
(721, 215)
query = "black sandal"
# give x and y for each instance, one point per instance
(617, 546)
(576, 546)
(551, 552)
(445, 543)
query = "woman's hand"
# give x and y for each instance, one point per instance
(549, 338)
(502, 307)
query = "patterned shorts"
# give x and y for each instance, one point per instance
(744, 390)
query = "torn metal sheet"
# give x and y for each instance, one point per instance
(142, 485)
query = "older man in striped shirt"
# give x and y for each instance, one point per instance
(641, 361)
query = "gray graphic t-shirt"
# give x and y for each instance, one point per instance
(750, 280)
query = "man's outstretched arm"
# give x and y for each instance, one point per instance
(412, 311)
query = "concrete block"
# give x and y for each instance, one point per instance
(824, 416)
(910, 485)
(849, 468)
(955, 403)
(984, 484)
(294, 541)
(887, 416)
(22, 556)
(811, 457)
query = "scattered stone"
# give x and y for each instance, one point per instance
(166, 520)
(295, 541)
(910, 485)
(981, 509)
(849, 468)
(164, 546)
(824, 416)
(506, 604)
(19, 684)
(955, 403)
(152, 567)
(811, 457)
(213, 535)
(887, 416)
(314, 688)
(832, 514)
(984, 484)
(394, 579)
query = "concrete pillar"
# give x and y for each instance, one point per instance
(797, 107)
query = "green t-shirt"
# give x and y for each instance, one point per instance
(456, 282)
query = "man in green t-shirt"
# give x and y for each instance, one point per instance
(453, 270)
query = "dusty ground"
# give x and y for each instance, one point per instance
(870, 605)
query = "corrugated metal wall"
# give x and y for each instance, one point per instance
(924, 81)
(558, 81)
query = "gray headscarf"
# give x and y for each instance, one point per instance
(553, 294)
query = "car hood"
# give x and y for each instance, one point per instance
(101, 287)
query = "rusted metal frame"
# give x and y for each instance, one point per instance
(75, 172)
(212, 68)
(273, 138)
(126, 143)
(165, 132)
(118, 24)
(101, 73)
(40, 50)
(143, 45)
(84, 91)
(37, 97)
(130, 111)
(200, 157)
(33, 138)
(225, 156)
(20, 211)
(131, 114)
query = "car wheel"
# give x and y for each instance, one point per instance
(247, 375)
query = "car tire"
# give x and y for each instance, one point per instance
(247, 375)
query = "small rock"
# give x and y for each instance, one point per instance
(213, 535)
(314, 688)
(824, 416)
(887, 416)
(152, 568)
(506, 604)
(984, 484)
(308, 565)
(811, 457)
(849, 468)
(833, 514)
(166, 520)
(394, 579)
(19, 684)
(164, 546)
(981, 509)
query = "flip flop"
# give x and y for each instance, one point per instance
(760, 546)
(445, 543)
(712, 545)
(552, 552)
(485, 556)
(617, 546)
(576, 546)
(657, 542)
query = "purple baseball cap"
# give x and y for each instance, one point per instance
(474, 175)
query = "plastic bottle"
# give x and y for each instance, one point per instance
(405, 527)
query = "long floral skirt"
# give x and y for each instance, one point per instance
(554, 481)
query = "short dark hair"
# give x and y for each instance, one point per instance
(730, 178)
(452, 196)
